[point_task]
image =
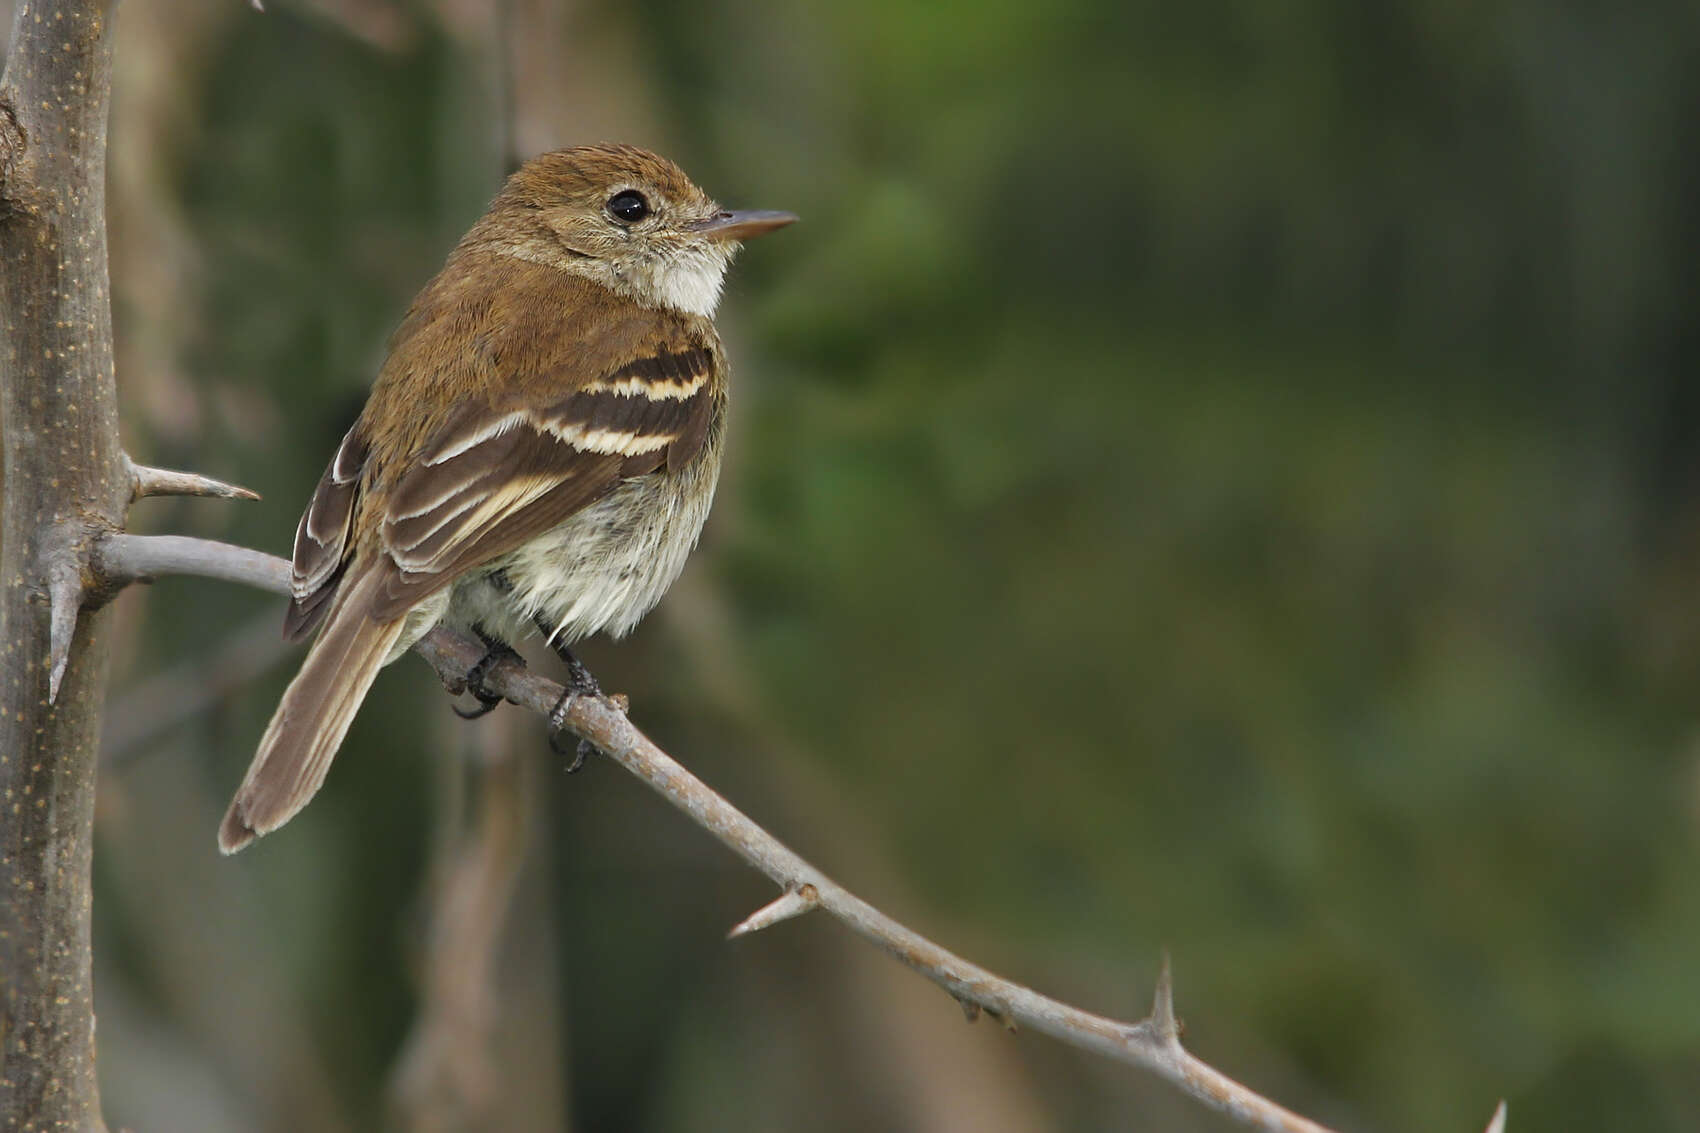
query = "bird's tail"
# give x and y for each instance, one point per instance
(312, 719)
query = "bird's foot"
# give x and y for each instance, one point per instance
(580, 682)
(494, 652)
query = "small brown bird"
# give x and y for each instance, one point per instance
(539, 451)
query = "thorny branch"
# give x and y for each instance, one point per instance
(63, 474)
(1152, 1043)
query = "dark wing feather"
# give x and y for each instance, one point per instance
(675, 384)
(322, 545)
(692, 434)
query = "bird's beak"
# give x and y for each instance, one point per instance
(743, 225)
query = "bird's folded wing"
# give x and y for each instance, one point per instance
(491, 479)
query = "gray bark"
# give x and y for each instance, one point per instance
(66, 481)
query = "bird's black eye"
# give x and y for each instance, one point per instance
(628, 207)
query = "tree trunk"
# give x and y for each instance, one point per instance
(65, 480)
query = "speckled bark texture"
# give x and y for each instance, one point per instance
(64, 481)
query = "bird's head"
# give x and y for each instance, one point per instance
(627, 218)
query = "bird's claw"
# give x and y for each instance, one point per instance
(558, 721)
(494, 652)
(486, 705)
(558, 726)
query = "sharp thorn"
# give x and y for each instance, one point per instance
(65, 601)
(1497, 1125)
(148, 481)
(1163, 1005)
(791, 903)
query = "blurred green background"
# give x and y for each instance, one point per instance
(1218, 477)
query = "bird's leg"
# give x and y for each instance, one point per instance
(494, 651)
(580, 682)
